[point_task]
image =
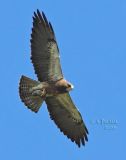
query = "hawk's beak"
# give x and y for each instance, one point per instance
(70, 88)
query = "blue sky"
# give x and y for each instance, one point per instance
(92, 41)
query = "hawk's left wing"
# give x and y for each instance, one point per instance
(44, 49)
(67, 118)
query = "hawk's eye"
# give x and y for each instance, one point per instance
(69, 85)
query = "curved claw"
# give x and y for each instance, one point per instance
(40, 93)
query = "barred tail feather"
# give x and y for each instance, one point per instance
(32, 102)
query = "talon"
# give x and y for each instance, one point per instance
(43, 92)
(36, 93)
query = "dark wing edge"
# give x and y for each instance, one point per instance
(67, 118)
(44, 49)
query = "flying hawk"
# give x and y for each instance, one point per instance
(51, 86)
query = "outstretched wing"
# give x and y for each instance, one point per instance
(67, 118)
(44, 49)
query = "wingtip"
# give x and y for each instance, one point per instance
(43, 13)
(86, 138)
(78, 142)
(86, 130)
(38, 12)
(51, 27)
(44, 16)
(82, 141)
(35, 15)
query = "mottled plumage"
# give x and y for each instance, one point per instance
(51, 86)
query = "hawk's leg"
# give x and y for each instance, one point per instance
(40, 93)
(38, 90)
(37, 87)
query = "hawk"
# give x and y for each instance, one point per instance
(51, 86)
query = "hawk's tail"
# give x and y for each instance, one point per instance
(31, 101)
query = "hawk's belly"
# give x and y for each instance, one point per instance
(45, 89)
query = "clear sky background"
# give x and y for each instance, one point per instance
(92, 40)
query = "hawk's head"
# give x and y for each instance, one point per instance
(64, 86)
